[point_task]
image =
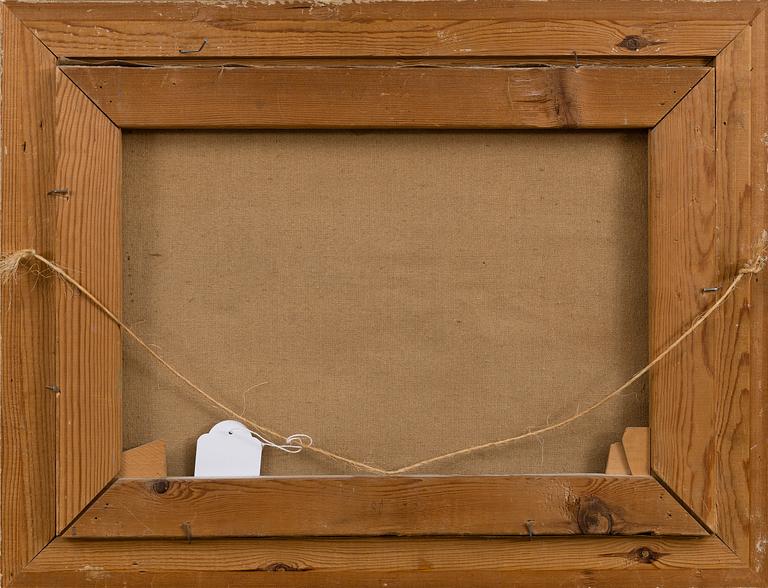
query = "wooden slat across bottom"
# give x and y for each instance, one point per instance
(405, 506)
(390, 561)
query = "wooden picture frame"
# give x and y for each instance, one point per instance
(692, 73)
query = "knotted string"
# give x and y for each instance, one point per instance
(293, 443)
(11, 263)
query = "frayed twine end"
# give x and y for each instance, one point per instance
(9, 264)
(759, 257)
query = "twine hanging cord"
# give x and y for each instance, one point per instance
(11, 263)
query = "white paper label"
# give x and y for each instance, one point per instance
(228, 451)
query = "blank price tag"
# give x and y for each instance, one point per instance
(228, 451)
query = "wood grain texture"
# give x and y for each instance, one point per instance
(637, 448)
(700, 423)
(543, 561)
(144, 461)
(742, 11)
(758, 449)
(385, 29)
(386, 554)
(402, 62)
(27, 408)
(683, 261)
(585, 97)
(640, 560)
(88, 350)
(617, 461)
(736, 240)
(413, 579)
(354, 506)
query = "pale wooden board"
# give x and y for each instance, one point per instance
(730, 418)
(298, 97)
(382, 29)
(89, 353)
(144, 461)
(617, 461)
(683, 261)
(636, 448)
(338, 506)
(27, 408)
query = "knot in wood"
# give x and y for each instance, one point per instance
(284, 567)
(160, 486)
(645, 555)
(594, 517)
(635, 42)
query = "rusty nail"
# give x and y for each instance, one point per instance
(187, 528)
(529, 526)
(187, 51)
